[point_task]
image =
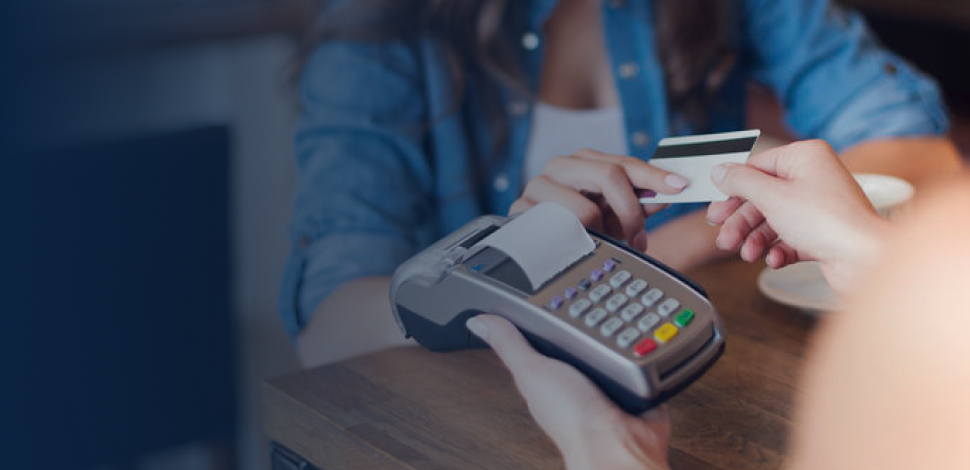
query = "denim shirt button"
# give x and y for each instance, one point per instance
(617, 4)
(530, 41)
(303, 242)
(501, 182)
(640, 139)
(629, 70)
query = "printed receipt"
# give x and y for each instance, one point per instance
(543, 241)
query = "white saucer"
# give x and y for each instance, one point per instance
(799, 285)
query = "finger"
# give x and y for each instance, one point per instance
(785, 161)
(611, 224)
(781, 254)
(506, 340)
(532, 375)
(544, 189)
(609, 180)
(653, 208)
(535, 375)
(777, 257)
(560, 398)
(642, 174)
(657, 415)
(736, 228)
(757, 243)
(746, 182)
(658, 421)
(718, 212)
(521, 205)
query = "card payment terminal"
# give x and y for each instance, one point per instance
(639, 330)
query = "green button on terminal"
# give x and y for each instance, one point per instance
(684, 318)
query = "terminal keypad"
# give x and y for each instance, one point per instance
(613, 305)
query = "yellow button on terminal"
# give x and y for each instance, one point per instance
(665, 333)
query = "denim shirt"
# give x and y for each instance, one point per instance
(387, 164)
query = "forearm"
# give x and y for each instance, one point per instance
(921, 161)
(903, 407)
(685, 242)
(355, 319)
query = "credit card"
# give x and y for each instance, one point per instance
(693, 157)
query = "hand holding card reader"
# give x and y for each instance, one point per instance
(636, 328)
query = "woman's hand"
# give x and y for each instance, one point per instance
(601, 189)
(797, 203)
(589, 430)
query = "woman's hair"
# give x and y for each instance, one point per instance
(692, 38)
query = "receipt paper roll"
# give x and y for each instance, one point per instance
(543, 241)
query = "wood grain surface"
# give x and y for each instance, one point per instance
(407, 408)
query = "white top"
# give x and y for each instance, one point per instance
(560, 132)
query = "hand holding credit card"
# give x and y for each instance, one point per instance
(693, 157)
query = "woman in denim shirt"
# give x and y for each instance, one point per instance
(419, 115)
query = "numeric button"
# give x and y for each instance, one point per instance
(651, 297)
(616, 302)
(648, 322)
(578, 307)
(599, 292)
(631, 311)
(636, 287)
(627, 337)
(594, 317)
(667, 307)
(620, 278)
(611, 326)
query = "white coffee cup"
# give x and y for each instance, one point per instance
(886, 193)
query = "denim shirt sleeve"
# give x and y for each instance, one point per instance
(834, 79)
(363, 201)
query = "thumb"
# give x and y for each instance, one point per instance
(505, 339)
(744, 181)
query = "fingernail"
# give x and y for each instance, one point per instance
(645, 193)
(676, 181)
(478, 327)
(719, 242)
(712, 224)
(718, 172)
(640, 240)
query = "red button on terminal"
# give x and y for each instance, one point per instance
(644, 347)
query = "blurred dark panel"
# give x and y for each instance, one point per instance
(936, 46)
(116, 335)
(953, 13)
(106, 26)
